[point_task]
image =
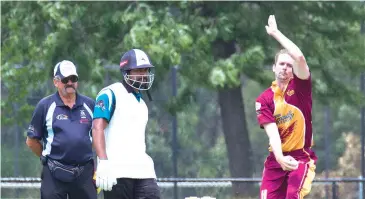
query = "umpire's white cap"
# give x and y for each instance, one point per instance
(64, 69)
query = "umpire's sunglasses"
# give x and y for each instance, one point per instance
(73, 79)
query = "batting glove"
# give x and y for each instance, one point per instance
(104, 177)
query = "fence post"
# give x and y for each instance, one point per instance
(334, 190)
(360, 188)
(327, 125)
(174, 130)
(16, 146)
(362, 130)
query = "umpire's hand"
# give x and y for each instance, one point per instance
(104, 177)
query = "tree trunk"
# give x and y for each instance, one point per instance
(237, 139)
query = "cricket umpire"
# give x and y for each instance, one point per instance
(60, 134)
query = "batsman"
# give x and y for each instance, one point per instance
(124, 169)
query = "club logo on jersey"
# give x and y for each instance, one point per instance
(290, 92)
(100, 104)
(62, 117)
(82, 114)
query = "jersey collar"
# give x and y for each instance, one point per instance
(127, 87)
(59, 101)
(131, 90)
(276, 89)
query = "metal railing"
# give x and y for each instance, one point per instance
(10, 182)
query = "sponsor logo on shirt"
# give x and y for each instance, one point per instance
(285, 118)
(62, 117)
(84, 121)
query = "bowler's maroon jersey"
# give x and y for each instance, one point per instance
(291, 110)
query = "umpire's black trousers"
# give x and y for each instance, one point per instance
(82, 188)
(127, 188)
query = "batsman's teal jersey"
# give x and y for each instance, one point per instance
(105, 103)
